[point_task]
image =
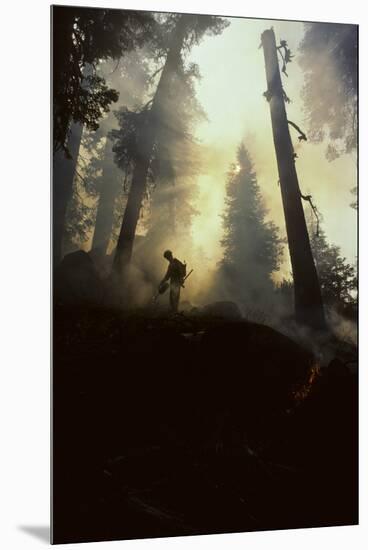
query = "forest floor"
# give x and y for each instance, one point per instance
(196, 424)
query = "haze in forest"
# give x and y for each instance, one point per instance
(223, 149)
(231, 92)
(203, 95)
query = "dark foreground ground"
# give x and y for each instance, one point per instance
(197, 425)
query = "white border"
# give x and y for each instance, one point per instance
(25, 287)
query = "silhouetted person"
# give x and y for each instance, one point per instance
(175, 274)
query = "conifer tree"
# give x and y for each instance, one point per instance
(337, 277)
(252, 247)
(140, 131)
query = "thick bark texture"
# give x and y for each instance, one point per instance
(308, 299)
(146, 142)
(62, 178)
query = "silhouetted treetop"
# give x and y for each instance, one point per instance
(81, 38)
(197, 26)
(177, 110)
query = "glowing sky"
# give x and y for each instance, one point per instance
(231, 88)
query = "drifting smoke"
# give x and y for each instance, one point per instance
(328, 56)
(185, 202)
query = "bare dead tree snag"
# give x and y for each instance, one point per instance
(307, 292)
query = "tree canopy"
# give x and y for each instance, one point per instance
(328, 57)
(82, 37)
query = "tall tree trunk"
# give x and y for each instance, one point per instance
(308, 299)
(62, 177)
(125, 243)
(109, 190)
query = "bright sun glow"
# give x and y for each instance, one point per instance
(232, 96)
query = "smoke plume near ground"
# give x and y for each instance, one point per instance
(231, 94)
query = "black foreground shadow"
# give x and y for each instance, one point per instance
(171, 427)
